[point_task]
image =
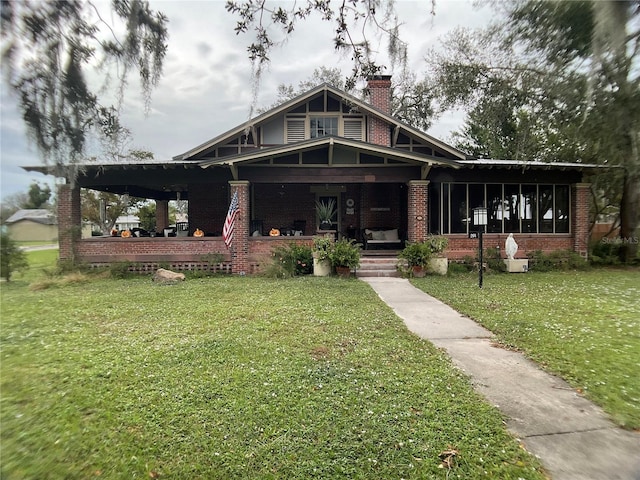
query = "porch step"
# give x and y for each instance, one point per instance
(378, 266)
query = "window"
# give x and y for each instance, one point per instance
(561, 209)
(353, 128)
(511, 208)
(295, 129)
(323, 126)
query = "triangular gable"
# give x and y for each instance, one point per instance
(247, 131)
(387, 154)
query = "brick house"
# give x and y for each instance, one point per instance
(327, 144)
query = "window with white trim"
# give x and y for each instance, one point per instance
(323, 126)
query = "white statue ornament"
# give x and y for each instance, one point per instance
(510, 247)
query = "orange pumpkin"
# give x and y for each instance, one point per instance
(125, 234)
(274, 232)
(198, 233)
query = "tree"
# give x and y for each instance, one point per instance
(38, 196)
(354, 24)
(104, 208)
(332, 76)
(50, 47)
(555, 81)
(411, 101)
(12, 258)
(147, 215)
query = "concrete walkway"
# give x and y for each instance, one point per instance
(572, 437)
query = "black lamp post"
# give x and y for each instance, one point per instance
(480, 220)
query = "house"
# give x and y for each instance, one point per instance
(33, 225)
(326, 144)
(127, 222)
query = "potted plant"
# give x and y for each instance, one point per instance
(417, 255)
(427, 255)
(438, 263)
(320, 250)
(344, 256)
(326, 211)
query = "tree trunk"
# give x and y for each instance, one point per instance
(629, 206)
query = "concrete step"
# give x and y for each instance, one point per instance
(378, 267)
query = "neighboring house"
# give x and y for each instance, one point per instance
(127, 222)
(33, 225)
(326, 144)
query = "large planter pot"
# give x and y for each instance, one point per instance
(439, 265)
(321, 268)
(325, 225)
(343, 272)
(418, 271)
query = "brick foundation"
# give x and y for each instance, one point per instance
(461, 246)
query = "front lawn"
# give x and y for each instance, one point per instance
(233, 377)
(583, 326)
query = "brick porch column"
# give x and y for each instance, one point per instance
(69, 221)
(417, 210)
(580, 217)
(162, 215)
(240, 246)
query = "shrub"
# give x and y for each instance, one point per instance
(558, 260)
(12, 258)
(290, 260)
(459, 268)
(322, 246)
(416, 254)
(605, 252)
(345, 253)
(494, 261)
(120, 270)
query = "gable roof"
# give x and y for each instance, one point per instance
(360, 105)
(37, 215)
(330, 141)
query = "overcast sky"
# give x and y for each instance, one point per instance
(206, 88)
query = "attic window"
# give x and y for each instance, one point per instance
(353, 129)
(295, 129)
(323, 126)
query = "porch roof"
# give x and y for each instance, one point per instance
(331, 141)
(524, 164)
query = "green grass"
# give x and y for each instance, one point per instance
(40, 263)
(231, 377)
(583, 326)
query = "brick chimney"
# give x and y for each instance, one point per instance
(379, 87)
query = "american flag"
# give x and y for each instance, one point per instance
(227, 230)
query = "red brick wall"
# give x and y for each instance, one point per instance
(180, 253)
(461, 246)
(158, 249)
(279, 205)
(375, 199)
(208, 206)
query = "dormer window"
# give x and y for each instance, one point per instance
(323, 126)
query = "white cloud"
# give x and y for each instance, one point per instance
(206, 88)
